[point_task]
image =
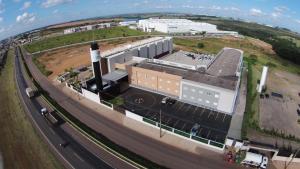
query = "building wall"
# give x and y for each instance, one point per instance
(152, 51)
(208, 96)
(154, 80)
(143, 52)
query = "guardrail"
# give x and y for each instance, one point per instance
(90, 134)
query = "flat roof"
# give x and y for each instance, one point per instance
(201, 77)
(189, 58)
(114, 75)
(226, 63)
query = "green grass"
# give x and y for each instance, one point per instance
(20, 145)
(117, 101)
(296, 41)
(81, 37)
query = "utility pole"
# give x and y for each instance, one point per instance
(160, 132)
(287, 165)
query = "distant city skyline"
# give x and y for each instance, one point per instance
(18, 16)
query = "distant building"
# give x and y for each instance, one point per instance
(178, 26)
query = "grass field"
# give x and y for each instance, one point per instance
(81, 37)
(20, 145)
(296, 41)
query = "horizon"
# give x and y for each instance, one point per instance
(20, 16)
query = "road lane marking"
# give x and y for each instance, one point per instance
(76, 155)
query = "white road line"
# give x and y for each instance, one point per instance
(52, 131)
(75, 154)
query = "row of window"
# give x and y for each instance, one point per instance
(200, 100)
(201, 92)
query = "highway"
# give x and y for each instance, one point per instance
(74, 155)
(149, 148)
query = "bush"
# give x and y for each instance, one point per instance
(270, 64)
(200, 45)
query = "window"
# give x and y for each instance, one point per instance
(193, 90)
(185, 88)
(192, 98)
(208, 93)
(168, 81)
(184, 96)
(160, 80)
(200, 91)
(160, 87)
(176, 91)
(215, 103)
(200, 100)
(207, 101)
(216, 96)
(177, 84)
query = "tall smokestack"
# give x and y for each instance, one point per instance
(95, 57)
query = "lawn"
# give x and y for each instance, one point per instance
(81, 37)
(20, 145)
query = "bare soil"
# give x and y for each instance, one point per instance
(277, 113)
(263, 45)
(59, 60)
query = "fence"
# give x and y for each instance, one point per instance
(203, 141)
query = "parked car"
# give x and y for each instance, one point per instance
(298, 111)
(168, 100)
(44, 111)
(194, 130)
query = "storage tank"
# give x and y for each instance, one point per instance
(263, 79)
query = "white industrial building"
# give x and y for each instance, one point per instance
(176, 26)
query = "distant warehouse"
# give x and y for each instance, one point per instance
(177, 26)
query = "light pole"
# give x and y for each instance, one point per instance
(286, 165)
(160, 132)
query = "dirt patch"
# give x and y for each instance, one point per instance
(263, 45)
(59, 60)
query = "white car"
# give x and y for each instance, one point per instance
(44, 111)
(264, 163)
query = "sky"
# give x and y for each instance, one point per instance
(17, 16)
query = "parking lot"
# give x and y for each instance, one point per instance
(181, 116)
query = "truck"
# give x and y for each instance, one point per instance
(29, 92)
(255, 160)
(49, 116)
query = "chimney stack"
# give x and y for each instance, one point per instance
(95, 58)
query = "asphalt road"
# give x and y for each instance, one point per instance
(74, 155)
(149, 148)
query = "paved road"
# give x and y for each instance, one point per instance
(74, 155)
(151, 149)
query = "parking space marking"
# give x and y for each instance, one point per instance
(224, 117)
(208, 134)
(200, 130)
(209, 114)
(217, 115)
(76, 155)
(179, 108)
(193, 113)
(183, 126)
(176, 123)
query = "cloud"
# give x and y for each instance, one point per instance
(26, 5)
(26, 18)
(281, 8)
(2, 9)
(2, 30)
(16, 0)
(256, 12)
(55, 11)
(51, 3)
(235, 9)
(1, 19)
(297, 20)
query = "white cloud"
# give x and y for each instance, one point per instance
(55, 11)
(256, 12)
(1, 19)
(275, 14)
(25, 18)
(215, 7)
(16, 0)
(26, 5)
(298, 21)
(2, 30)
(281, 8)
(51, 3)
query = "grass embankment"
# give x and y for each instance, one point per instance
(40, 65)
(95, 135)
(81, 37)
(20, 145)
(255, 57)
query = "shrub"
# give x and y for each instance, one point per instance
(200, 45)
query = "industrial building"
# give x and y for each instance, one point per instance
(208, 81)
(178, 26)
(214, 85)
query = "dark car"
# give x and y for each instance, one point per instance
(298, 111)
(64, 144)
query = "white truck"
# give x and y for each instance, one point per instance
(255, 160)
(29, 92)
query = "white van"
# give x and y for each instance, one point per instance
(255, 160)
